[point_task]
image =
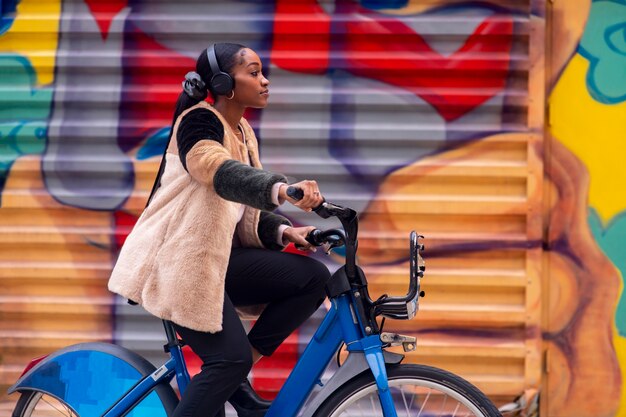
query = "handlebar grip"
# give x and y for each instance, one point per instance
(295, 193)
(325, 209)
(314, 237)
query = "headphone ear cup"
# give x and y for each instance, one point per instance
(222, 83)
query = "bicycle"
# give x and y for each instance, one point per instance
(99, 379)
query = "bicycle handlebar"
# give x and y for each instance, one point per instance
(349, 220)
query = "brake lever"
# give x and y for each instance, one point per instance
(336, 242)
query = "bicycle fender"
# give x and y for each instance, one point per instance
(354, 365)
(90, 377)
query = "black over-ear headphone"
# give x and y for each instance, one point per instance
(221, 82)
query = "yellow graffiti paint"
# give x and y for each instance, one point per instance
(34, 35)
(595, 132)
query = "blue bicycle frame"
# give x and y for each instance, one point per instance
(339, 325)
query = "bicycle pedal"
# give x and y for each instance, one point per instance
(394, 339)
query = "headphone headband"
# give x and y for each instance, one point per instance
(221, 82)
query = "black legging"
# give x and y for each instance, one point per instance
(291, 285)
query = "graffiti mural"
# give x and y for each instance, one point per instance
(25, 80)
(53, 262)
(420, 115)
(588, 109)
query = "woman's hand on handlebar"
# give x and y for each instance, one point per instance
(297, 236)
(312, 198)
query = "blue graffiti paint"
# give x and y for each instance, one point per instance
(7, 14)
(155, 145)
(384, 4)
(604, 46)
(611, 239)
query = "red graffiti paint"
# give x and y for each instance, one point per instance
(192, 361)
(383, 48)
(301, 37)
(104, 12)
(270, 373)
(152, 77)
(124, 223)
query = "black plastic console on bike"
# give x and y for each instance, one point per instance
(405, 308)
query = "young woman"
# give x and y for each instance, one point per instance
(208, 241)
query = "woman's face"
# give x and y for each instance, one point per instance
(250, 84)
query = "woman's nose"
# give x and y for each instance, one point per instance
(265, 81)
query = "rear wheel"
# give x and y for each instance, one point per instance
(417, 390)
(39, 404)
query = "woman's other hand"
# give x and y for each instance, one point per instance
(297, 236)
(312, 197)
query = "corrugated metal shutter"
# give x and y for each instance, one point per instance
(452, 151)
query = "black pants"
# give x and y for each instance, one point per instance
(291, 285)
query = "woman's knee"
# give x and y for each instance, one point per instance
(318, 275)
(241, 368)
(241, 355)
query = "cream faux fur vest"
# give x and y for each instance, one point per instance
(174, 261)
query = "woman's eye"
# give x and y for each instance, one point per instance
(254, 73)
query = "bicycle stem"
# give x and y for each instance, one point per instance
(350, 223)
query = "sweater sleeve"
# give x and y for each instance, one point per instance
(268, 229)
(200, 137)
(244, 184)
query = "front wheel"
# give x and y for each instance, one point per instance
(417, 390)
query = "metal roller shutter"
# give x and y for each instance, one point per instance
(420, 117)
